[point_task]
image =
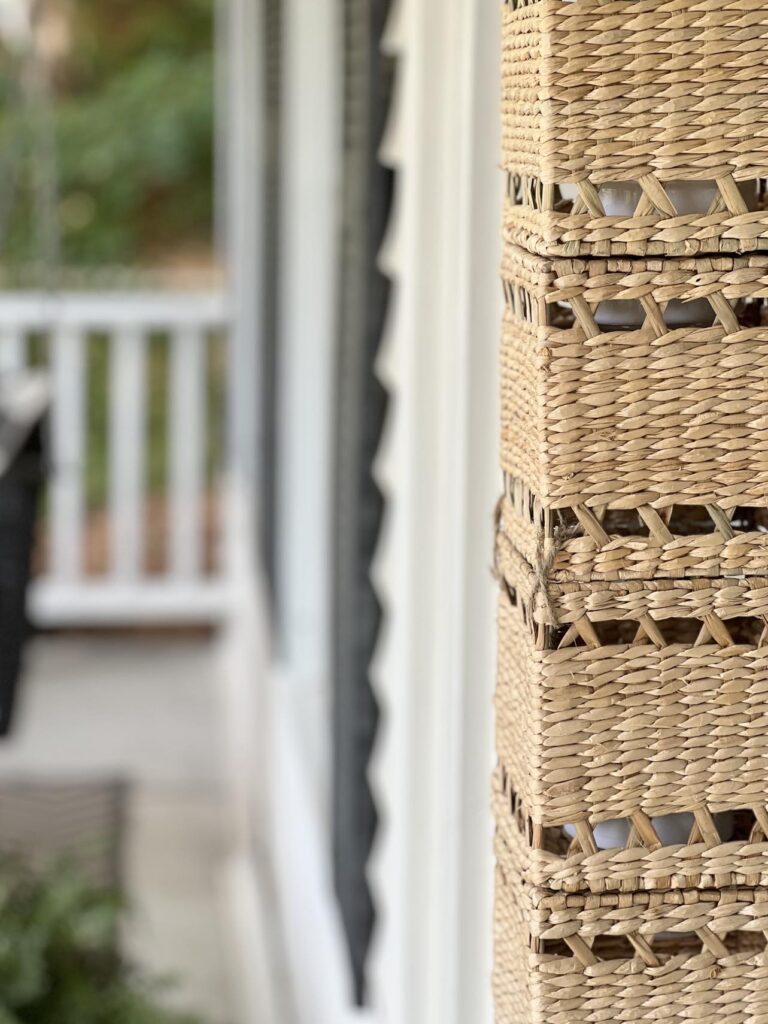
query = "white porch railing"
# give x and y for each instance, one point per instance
(165, 355)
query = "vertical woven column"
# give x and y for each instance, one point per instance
(631, 792)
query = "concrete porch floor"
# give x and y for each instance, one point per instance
(147, 710)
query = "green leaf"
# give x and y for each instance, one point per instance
(59, 957)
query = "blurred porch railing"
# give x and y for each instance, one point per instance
(132, 522)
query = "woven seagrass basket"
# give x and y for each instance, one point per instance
(647, 94)
(631, 700)
(632, 537)
(652, 415)
(673, 957)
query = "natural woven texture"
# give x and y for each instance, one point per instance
(613, 544)
(675, 957)
(719, 850)
(632, 538)
(615, 698)
(655, 415)
(641, 91)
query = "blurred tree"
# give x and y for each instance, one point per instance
(134, 103)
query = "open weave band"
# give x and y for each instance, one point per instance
(646, 92)
(607, 543)
(655, 415)
(675, 957)
(719, 850)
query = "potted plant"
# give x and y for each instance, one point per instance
(60, 959)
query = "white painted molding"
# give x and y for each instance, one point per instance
(254, 978)
(309, 243)
(259, 973)
(321, 983)
(299, 722)
(311, 167)
(433, 671)
(390, 975)
(431, 870)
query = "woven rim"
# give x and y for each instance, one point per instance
(550, 859)
(675, 956)
(710, 914)
(615, 544)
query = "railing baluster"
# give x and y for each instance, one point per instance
(127, 450)
(68, 372)
(186, 415)
(13, 348)
(183, 590)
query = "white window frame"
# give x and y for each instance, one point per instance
(439, 467)
(432, 866)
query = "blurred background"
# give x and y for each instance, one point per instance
(248, 445)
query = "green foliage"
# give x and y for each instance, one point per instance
(59, 958)
(135, 162)
(134, 135)
(112, 33)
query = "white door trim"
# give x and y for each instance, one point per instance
(434, 671)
